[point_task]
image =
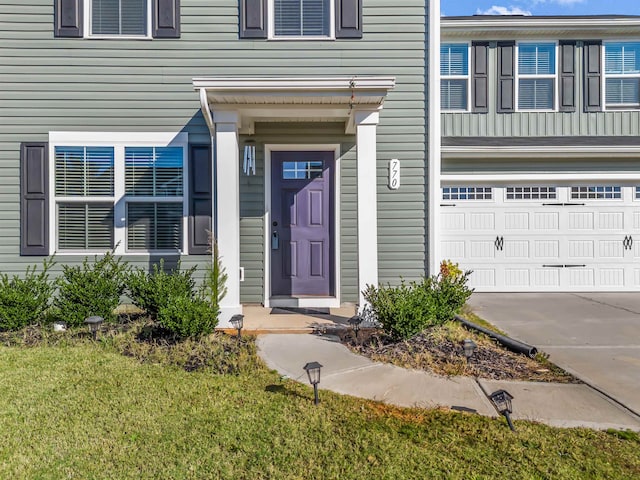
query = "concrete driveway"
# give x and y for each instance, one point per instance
(595, 336)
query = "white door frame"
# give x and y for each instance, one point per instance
(331, 301)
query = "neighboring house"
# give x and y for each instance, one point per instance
(140, 125)
(541, 151)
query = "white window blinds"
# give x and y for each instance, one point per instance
(301, 18)
(119, 17)
(536, 76)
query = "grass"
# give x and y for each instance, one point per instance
(83, 410)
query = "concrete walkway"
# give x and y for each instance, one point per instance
(344, 372)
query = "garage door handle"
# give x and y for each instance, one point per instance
(447, 204)
(552, 266)
(499, 243)
(627, 243)
(574, 266)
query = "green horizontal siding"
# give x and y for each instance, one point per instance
(49, 84)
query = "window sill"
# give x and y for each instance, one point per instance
(298, 39)
(117, 37)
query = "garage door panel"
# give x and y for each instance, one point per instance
(611, 249)
(454, 250)
(546, 220)
(580, 221)
(516, 249)
(516, 221)
(546, 277)
(517, 277)
(545, 249)
(611, 221)
(580, 249)
(611, 277)
(481, 249)
(482, 278)
(482, 221)
(452, 222)
(636, 220)
(581, 277)
(636, 277)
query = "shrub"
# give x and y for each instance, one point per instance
(151, 291)
(90, 289)
(214, 284)
(406, 310)
(188, 317)
(24, 301)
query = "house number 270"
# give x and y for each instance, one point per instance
(394, 174)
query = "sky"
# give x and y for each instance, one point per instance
(540, 7)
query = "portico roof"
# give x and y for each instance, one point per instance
(292, 99)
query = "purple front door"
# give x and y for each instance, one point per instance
(302, 223)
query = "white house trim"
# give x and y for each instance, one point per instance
(434, 162)
(551, 178)
(333, 301)
(543, 151)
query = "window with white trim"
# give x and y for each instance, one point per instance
(536, 76)
(118, 18)
(596, 192)
(129, 196)
(531, 193)
(312, 19)
(454, 76)
(622, 74)
(467, 193)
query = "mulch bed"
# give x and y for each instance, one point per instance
(433, 352)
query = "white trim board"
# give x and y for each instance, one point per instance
(333, 301)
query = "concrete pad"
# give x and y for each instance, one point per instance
(410, 388)
(594, 336)
(259, 319)
(287, 354)
(564, 405)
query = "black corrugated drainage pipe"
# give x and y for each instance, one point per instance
(510, 343)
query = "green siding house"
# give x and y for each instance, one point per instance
(295, 132)
(540, 169)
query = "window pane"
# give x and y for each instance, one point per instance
(84, 171)
(154, 226)
(535, 94)
(454, 59)
(299, 18)
(453, 94)
(119, 17)
(467, 193)
(302, 170)
(153, 171)
(599, 192)
(623, 91)
(85, 226)
(622, 58)
(537, 59)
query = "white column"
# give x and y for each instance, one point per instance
(366, 124)
(227, 208)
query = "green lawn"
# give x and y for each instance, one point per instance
(86, 411)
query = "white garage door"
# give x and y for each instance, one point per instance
(544, 237)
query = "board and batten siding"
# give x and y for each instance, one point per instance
(539, 124)
(66, 84)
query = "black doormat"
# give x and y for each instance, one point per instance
(299, 311)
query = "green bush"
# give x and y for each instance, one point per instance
(408, 309)
(151, 291)
(90, 289)
(24, 301)
(188, 317)
(214, 286)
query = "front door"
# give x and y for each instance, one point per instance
(301, 243)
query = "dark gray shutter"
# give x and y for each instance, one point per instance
(253, 18)
(68, 18)
(479, 77)
(567, 76)
(348, 18)
(200, 204)
(166, 18)
(34, 199)
(592, 76)
(506, 77)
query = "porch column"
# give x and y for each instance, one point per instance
(366, 124)
(227, 208)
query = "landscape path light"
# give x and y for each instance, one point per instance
(502, 401)
(313, 372)
(237, 322)
(94, 323)
(469, 348)
(355, 322)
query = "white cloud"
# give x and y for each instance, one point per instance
(497, 10)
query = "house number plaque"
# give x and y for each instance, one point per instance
(394, 174)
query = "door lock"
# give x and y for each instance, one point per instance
(275, 241)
